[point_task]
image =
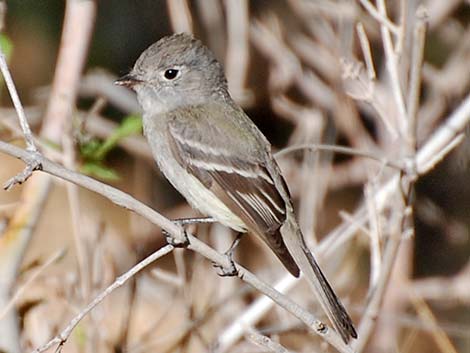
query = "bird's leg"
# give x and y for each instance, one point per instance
(234, 244)
(183, 222)
(232, 269)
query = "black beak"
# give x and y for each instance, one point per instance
(127, 81)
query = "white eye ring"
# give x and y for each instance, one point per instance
(171, 73)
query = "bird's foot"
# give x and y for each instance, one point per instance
(175, 242)
(227, 271)
(182, 222)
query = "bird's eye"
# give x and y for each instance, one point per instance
(171, 74)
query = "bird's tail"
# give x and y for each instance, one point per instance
(330, 303)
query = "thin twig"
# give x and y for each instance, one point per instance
(265, 342)
(453, 290)
(73, 199)
(439, 156)
(400, 42)
(28, 136)
(374, 235)
(36, 273)
(369, 317)
(32, 165)
(365, 47)
(62, 337)
(340, 149)
(426, 315)
(417, 56)
(257, 310)
(380, 17)
(361, 88)
(392, 68)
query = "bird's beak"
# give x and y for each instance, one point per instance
(127, 81)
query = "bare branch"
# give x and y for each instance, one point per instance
(36, 273)
(28, 136)
(417, 55)
(32, 165)
(62, 337)
(238, 54)
(340, 149)
(392, 68)
(265, 342)
(365, 47)
(180, 16)
(257, 310)
(380, 16)
(455, 289)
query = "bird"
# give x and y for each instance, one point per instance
(216, 157)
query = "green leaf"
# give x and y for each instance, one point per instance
(99, 171)
(7, 48)
(6, 45)
(89, 148)
(131, 125)
(94, 151)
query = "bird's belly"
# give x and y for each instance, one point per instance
(197, 195)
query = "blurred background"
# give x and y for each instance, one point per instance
(307, 73)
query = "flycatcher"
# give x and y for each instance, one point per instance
(215, 156)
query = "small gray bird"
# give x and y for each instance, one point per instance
(214, 155)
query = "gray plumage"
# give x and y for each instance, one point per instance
(215, 156)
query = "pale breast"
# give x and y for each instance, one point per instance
(197, 195)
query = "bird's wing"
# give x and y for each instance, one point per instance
(228, 156)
